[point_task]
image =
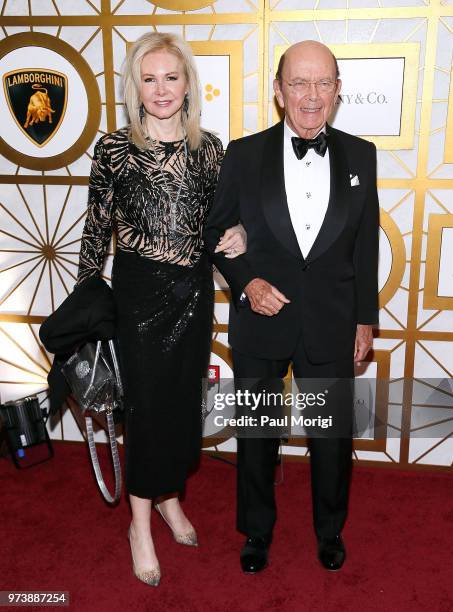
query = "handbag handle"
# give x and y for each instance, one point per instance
(93, 370)
(111, 431)
(115, 458)
(116, 367)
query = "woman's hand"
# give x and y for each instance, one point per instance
(233, 242)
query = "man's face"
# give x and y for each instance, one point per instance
(307, 106)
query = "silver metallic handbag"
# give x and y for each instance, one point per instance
(93, 375)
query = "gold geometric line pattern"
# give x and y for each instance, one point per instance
(396, 347)
(426, 383)
(252, 31)
(22, 280)
(52, 263)
(52, 295)
(445, 71)
(277, 31)
(70, 228)
(56, 7)
(438, 202)
(93, 6)
(8, 212)
(41, 348)
(430, 174)
(251, 4)
(431, 423)
(22, 369)
(416, 28)
(393, 316)
(315, 23)
(436, 314)
(437, 130)
(36, 289)
(399, 202)
(91, 38)
(375, 29)
(21, 348)
(68, 271)
(16, 382)
(21, 263)
(60, 216)
(118, 33)
(433, 406)
(16, 237)
(62, 246)
(69, 261)
(446, 25)
(390, 457)
(46, 216)
(450, 374)
(121, 2)
(46, 250)
(389, 425)
(401, 163)
(441, 441)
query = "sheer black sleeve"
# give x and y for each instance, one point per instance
(98, 227)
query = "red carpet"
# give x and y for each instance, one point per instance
(57, 534)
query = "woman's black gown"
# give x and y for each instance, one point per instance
(163, 288)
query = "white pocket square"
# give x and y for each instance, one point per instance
(354, 180)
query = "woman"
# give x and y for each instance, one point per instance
(154, 181)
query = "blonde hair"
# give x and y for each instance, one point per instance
(149, 43)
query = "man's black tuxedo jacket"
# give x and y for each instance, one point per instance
(331, 290)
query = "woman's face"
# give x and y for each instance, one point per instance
(163, 84)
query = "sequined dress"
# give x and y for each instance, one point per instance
(163, 288)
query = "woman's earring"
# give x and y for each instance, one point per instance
(185, 104)
(141, 112)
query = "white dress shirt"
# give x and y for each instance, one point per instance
(307, 185)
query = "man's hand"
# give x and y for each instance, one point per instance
(264, 298)
(233, 242)
(363, 342)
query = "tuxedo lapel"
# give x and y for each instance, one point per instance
(337, 208)
(273, 194)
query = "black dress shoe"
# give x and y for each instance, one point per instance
(331, 552)
(254, 555)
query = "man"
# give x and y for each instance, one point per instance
(306, 290)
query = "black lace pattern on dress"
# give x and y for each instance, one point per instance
(127, 194)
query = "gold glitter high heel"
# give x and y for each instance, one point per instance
(148, 576)
(188, 539)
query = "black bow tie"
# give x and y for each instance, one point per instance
(301, 145)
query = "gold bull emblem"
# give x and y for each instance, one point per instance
(39, 107)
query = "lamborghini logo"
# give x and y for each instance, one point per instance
(37, 100)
